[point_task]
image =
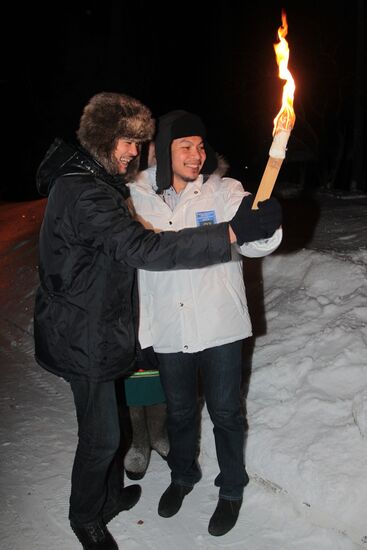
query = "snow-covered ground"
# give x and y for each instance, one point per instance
(306, 402)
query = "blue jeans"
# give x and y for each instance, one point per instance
(97, 479)
(220, 369)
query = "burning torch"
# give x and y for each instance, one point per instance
(283, 122)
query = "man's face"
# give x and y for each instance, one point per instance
(188, 156)
(125, 151)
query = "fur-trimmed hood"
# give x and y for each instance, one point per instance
(145, 181)
(65, 159)
(108, 117)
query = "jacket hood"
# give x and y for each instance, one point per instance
(108, 117)
(173, 125)
(64, 159)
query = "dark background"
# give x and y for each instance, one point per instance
(215, 59)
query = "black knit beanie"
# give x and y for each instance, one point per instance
(174, 125)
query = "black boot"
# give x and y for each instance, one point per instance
(94, 536)
(224, 517)
(128, 498)
(171, 500)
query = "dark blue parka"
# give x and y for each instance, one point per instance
(85, 317)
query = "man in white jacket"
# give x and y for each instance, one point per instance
(196, 320)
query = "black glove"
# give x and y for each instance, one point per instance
(252, 225)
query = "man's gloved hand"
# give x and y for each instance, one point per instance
(252, 225)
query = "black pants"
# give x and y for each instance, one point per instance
(97, 479)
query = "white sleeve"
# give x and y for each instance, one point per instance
(233, 193)
(263, 247)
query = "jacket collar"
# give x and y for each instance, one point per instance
(64, 159)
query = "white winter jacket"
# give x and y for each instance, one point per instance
(191, 310)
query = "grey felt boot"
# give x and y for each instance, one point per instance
(156, 419)
(137, 457)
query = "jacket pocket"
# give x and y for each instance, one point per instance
(239, 300)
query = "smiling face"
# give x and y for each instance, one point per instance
(187, 157)
(125, 151)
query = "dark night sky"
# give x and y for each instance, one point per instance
(215, 59)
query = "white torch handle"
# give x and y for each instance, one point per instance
(276, 156)
(279, 145)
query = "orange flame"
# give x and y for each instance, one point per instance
(286, 117)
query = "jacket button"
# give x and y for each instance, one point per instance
(196, 192)
(185, 347)
(170, 223)
(181, 304)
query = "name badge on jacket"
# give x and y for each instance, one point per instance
(207, 217)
